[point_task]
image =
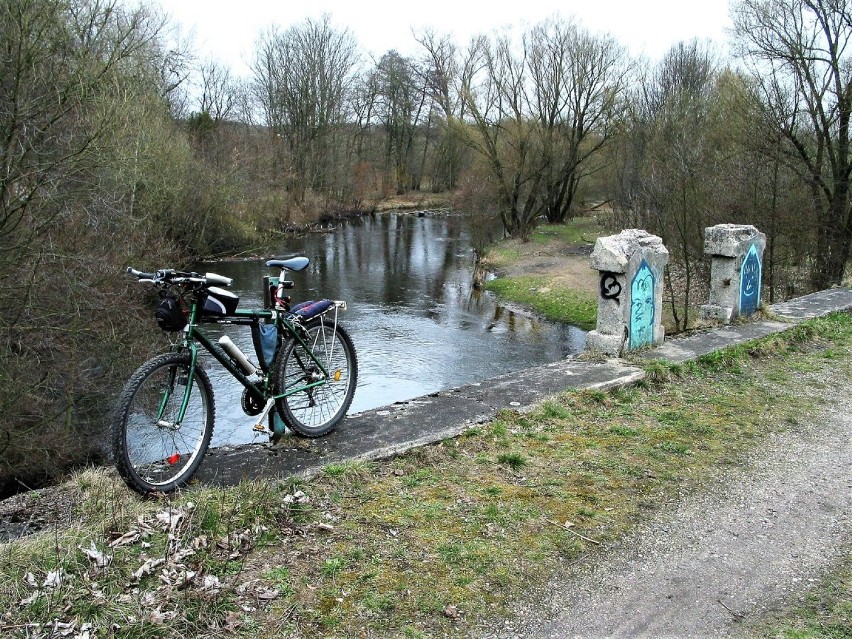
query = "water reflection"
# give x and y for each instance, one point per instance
(418, 324)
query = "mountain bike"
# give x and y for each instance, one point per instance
(304, 380)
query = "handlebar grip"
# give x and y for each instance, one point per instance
(221, 280)
(139, 274)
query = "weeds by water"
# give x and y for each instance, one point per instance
(442, 540)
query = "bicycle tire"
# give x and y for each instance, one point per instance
(316, 411)
(150, 455)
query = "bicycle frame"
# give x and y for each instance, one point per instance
(193, 336)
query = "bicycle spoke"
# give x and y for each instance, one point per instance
(152, 450)
(330, 367)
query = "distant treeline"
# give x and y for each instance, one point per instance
(108, 161)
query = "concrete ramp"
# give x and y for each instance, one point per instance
(385, 431)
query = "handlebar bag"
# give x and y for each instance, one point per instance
(219, 302)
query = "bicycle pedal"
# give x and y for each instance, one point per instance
(259, 428)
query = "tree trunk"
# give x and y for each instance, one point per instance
(833, 241)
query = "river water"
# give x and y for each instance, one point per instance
(418, 324)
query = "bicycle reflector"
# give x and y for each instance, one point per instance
(174, 459)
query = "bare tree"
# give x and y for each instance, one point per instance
(441, 70)
(494, 87)
(303, 76)
(578, 82)
(57, 60)
(401, 98)
(672, 183)
(802, 64)
(219, 93)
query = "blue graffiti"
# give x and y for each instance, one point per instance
(642, 308)
(750, 277)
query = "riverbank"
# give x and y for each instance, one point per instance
(550, 274)
(451, 539)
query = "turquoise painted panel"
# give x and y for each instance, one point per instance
(750, 278)
(642, 307)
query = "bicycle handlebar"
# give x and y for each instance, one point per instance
(171, 275)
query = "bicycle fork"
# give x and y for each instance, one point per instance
(173, 381)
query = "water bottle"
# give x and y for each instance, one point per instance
(237, 355)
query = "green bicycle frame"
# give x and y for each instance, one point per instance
(194, 336)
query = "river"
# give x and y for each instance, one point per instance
(418, 324)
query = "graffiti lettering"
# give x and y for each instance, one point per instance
(610, 287)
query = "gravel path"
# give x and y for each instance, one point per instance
(754, 540)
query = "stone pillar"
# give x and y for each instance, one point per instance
(736, 271)
(631, 292)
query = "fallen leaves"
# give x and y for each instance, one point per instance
(120, 572)
(56, 629)
(147, 568)
(130, 537)
(100, 559)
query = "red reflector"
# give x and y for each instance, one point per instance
(174, 459)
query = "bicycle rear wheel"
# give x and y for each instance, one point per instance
(150, 450)
(316, 411)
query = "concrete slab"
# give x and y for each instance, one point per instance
(814, 305)
(386, 431)
(792, 312)
(683, 349)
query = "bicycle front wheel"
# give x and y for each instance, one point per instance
(153, 449)
(310, 401)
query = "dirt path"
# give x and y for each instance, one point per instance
(753, 541)
(565, 265)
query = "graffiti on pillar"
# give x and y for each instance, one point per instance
(642, 308)
(610, 287)
(750, 275)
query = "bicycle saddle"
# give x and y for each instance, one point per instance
(295, 263)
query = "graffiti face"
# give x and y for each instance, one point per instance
(642, 308)
(750, 276)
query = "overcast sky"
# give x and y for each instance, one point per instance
(227, 31)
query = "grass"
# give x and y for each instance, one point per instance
(440, 541)
(580, 230)
(543, 293)
(825, 612)
(555, 303)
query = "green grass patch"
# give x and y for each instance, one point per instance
(580, 230)
(441, 541)
(557, 304)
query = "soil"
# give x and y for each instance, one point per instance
(35, 510)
